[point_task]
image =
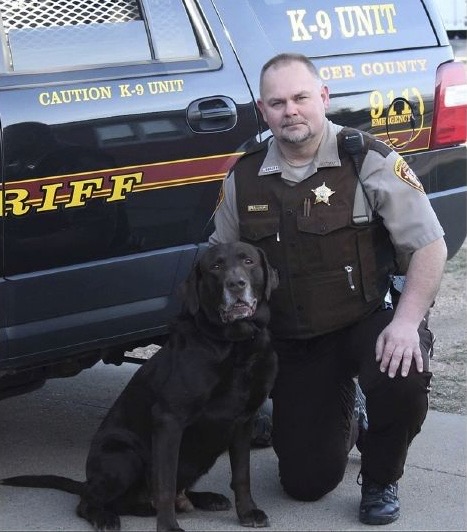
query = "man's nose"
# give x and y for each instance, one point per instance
(291, 107)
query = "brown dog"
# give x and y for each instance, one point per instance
(188, 404)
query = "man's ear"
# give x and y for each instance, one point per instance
(260, 106)
(271, 277)
(325, 96)
(189, 291)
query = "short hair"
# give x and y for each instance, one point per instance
(285, 59)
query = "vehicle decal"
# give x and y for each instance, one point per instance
(374, 68)
(401, 139)
(50, 193)
(107, 92)
(348, 21)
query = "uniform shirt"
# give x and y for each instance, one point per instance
(393, 190)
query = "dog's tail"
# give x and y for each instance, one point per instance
(46, 481)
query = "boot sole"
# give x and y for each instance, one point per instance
(381, 520)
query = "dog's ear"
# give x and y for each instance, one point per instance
(271, 277)
(189, 291)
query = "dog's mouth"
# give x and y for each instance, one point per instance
(237, 311)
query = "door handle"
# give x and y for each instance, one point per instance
(208, 115)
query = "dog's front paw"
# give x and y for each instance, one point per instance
(254, 518)
(101, 520)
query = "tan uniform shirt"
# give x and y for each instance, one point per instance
(393, 189)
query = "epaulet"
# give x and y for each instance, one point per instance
(380, 147)
(259, 146)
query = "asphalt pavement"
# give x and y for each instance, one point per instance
(49, 431)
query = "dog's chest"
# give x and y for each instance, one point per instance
(243, 383)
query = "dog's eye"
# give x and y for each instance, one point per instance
(248, 260)
(215, 266)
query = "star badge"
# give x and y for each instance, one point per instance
(323, 193)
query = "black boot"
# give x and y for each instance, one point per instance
(380, 504)
(262, 428)
(361, 416)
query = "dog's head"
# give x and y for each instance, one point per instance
(230, 282)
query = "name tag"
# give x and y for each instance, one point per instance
(258, 208)
(270, 169)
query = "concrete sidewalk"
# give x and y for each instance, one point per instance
(432, 490)
(49, 430)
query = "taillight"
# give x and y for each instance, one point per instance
(450, 106)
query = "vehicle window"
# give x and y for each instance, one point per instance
(330, 27)
(41, 36)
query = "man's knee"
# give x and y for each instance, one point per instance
(305, 484)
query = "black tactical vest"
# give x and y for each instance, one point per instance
(332, 271)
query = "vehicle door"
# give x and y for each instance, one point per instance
(119, 121)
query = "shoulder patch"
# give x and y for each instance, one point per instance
(220, 198)
(404, 172)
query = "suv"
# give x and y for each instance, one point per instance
(120, 118)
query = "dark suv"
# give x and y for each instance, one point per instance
(120, 118)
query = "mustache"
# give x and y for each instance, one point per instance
(295, 122)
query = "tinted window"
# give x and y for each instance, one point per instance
(332, 27)
(41, 36)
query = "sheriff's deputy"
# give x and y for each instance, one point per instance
(338, 213)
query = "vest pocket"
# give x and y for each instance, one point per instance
(325, 302)
(256, 230)
(326, 223)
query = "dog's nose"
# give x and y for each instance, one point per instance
(235, 283)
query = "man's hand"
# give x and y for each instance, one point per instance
(397, 345)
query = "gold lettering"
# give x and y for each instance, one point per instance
(346, 31)
(366, 69)
(15, 202)
(50, 195)
(54, 100)
(82, 190)
(171, 85)
(124, 91)
(393, 67)
(44, 98)
(364, 23)
(422, 63)
(299, 31)
(122, 184)
(336, 72)
(348, 71)
(399, 119)
(75, 95)
(388, 11)
(378, 122)
(379, 28)
(364, 20)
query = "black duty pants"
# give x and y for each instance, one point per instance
(313, 401)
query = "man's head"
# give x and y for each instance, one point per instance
(293, 99)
